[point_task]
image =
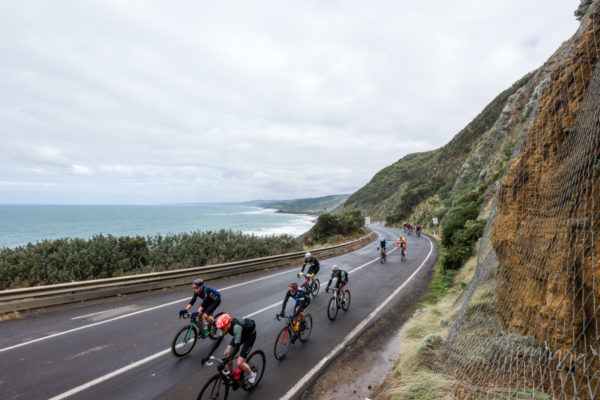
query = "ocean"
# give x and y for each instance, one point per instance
(23, 224)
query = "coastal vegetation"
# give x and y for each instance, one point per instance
(333, 227)
(65, 260)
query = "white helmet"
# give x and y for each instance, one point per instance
(335, 268)
(307, 255)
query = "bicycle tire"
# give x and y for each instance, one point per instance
(283, 343)
(219, 388)
(179, 341)
(346, 303)
(381, 258)
(308, 328)
(332, 309)
(212, 334)
(315, 287)
(257, 362)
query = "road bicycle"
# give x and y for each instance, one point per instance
(336, 302)
(310, 286)
(185, 339)
(288, 335)
(382, 256)
(402, 253)
(217, 387)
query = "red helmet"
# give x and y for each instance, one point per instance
(293, 286)
(224, 321)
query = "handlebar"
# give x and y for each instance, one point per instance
(301, 274)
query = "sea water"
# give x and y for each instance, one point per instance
(23, 224)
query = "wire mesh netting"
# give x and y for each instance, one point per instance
(530, 323)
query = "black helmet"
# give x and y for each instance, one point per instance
(197, 282)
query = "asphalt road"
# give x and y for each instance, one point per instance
(119, 348)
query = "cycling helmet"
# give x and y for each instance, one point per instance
(293, 286)
(197, 282)
(307, 255)
(224, 321)
(335, 268)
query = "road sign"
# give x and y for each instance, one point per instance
(435, 221)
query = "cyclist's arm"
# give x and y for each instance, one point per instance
(285, 300)
(303, 266)
(192, 301)
(237, 338)
(217, 343)
(329, 283)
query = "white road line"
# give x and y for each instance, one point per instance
(89, 315)
(306, 377)
(131, 314)
(352, 334)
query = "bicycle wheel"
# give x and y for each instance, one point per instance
(346, 301)
(185, 340)
(332, 309)
(315, 287)
(212, 330)
(214, 389)
(381, 258)
(257, 362)
(307, 328)
(283, 343)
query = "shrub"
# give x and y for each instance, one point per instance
(330, 225)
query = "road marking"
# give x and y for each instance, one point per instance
(131, 314)
(337, 349)
(306, 377)
(89, 315)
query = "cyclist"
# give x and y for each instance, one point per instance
(210, 301)
(418, 229)
(342, 280)
(302, 298)
(402, 243)
(243, 331)
(313, 265)
(382, 245)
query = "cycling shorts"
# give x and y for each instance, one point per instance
(313, 269)
(340, 283)
(209, 305)
(301, 305)
(246, 345)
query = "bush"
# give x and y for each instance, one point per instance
(65, 260)
(330, 225)
(463, 245)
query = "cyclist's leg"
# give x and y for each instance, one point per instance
(210, 309)
(246, 347)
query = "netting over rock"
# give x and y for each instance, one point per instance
(530, 325)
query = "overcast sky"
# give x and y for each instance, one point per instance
(145, 102)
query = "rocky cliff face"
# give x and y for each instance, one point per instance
(546, 234)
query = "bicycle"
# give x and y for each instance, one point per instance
(310, 286)
(382, 256)
(288, 335)
(336, 302)
(217, 387)
(402, 253)
(185, 339)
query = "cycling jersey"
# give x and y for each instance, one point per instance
(211, 299)
(302, 300)
(313, 265)
(382, 243)
(342, 278)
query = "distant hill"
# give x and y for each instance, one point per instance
(312, 206)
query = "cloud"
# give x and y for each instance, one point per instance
(187, 101)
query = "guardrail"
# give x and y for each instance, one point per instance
(43, 296)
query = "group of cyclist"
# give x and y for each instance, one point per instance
(243, 330)
(382, 246)
(409, 228)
